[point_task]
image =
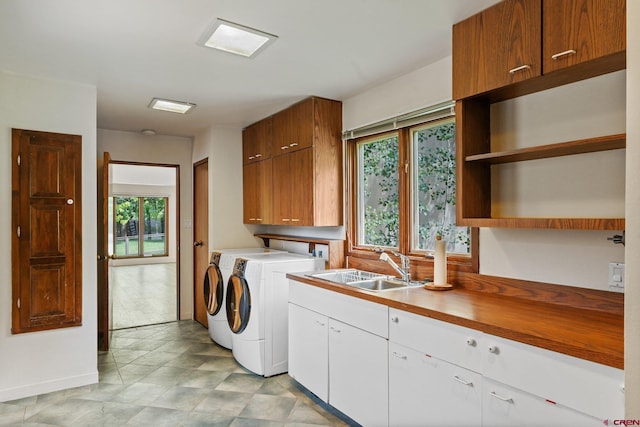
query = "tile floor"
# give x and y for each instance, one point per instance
(143, 294)
(173, 375)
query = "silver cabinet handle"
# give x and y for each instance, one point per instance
(251, 157)
(504, 399)
(561, 54)
(399, 356)
(258, 219)
(461, 381)
(295, 219)
(520, 68)
(293, 144)
(284, 147)
(258, 155)
(286, 219)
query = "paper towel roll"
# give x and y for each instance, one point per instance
(440, 262)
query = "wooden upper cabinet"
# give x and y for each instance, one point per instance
(257, 141)
(293, 186)
(293, 127)
(576, 31)
(497, 47)
(256, 182)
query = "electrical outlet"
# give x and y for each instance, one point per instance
(616, 276)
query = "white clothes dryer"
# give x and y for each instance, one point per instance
(257, 312)
(215, 283)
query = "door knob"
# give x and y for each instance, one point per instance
(197, 243)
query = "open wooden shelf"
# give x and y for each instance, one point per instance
(558, 223)
(589, 145)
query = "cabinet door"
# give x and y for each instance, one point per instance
(497, 47)
(301, 174)
(506, 406)
(309, 350)
(577, 31)
(281, 201)
(257, 141)
(358, 374)
(427, 391)
(293, 128)
(256, 188)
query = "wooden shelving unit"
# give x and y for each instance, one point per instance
(589, 145)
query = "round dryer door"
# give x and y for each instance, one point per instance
(213, 289)
(238, 303)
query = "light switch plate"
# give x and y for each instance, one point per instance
(616, 276)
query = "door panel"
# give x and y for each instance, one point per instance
(46, 210)
(105, 220)
(200, 238)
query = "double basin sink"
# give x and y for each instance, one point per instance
(364, 280)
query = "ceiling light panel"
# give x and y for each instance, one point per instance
(235, 38)
(171, 106)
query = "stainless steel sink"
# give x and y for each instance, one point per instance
(364, 280)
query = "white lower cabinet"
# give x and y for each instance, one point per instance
(309, 350)
(338, 350)
(507, 406)
(358, 381)
(427, 391)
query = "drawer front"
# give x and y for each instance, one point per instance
(506, 406)
(585, 386)
(455, 344)
(366, 315)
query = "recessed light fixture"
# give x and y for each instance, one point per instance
(171, 106)
(235, 38)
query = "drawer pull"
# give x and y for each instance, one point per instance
(395, 319)
(258, 219)
(399, 356)
(286, 219)
(561, 54)
(258, 155)
(471, 342)
(520, 68)
(494, 349)
(335, 330)
(293, 144)
(461, 381)
(320, 323)
(295, 219)
(251, 157)
(504, 399)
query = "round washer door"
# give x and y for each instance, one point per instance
(238, 303)
(213, 289)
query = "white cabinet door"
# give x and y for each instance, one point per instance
(507, 406)
(309, 350)
(426, 391)
(358, 374)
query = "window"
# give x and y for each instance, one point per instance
(140, 225)
(403, 192)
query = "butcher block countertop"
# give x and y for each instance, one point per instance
(588, 334)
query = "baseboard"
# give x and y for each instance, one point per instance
(47, 387)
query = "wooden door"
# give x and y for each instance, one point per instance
(200, 238)
(103, 253)
(301, 177)
(496, 47)
(47, 230)
(577, 31)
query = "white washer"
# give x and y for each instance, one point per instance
(215, 284)
(257, 314)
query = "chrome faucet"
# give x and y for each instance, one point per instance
(405, 270)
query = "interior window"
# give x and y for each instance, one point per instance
(377, 188)
(140, 225)
(433, 184)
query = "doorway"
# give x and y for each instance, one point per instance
(141, 217)
(200, 238)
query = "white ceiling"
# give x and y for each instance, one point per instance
(134, 50)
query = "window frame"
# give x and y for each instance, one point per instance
(141, 234)
(464, 263)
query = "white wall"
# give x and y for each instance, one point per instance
(167, 150)
(632, 292)
(223, 148)
(41, 362)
